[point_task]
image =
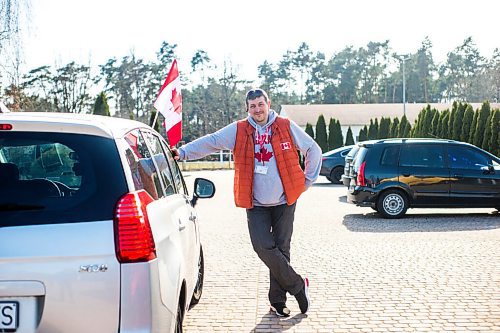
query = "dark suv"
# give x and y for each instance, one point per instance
(395, 174)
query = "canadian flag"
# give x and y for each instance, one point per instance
(169, 104)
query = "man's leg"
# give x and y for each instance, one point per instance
(260, 224)
(282, 228)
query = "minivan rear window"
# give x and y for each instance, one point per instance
(50, 178)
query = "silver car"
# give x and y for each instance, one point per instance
(97, 230)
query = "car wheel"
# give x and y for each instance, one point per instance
(179, 318)
(198, 289)
(392, 204)
(336, 175)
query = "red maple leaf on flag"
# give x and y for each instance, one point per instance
(176, 101)
(264, 155)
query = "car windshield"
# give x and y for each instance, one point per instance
(58, 178)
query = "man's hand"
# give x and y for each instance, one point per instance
(175, 153)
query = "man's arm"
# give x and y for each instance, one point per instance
(310, 149)
(222, 139)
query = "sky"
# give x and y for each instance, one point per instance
(248, 32)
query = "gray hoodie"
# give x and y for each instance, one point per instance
(267, 186)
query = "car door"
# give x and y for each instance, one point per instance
(423, 169)
(177, 252)
(191, 231)
(475, 177)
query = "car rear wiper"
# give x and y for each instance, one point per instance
(13, 207)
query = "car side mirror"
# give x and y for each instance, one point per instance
(203, 188)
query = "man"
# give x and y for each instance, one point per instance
(268, 180)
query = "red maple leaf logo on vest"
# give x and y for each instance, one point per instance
(263, 155)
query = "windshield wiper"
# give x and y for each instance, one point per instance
(13, 207)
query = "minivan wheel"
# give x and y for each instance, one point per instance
(336, 175)
(392, 204)
(198, 289)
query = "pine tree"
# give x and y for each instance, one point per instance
(309, 130)
(466, 123)
(321, 136)
(384, 128)
(349, 140)
(429, 117)
(376, 126)
(339, 139)
(331, 129)
(445, 120)
(101, 106)
(404, 128)
(494, 144)
(372, 130)
(473, 127)
(484, 113)
(394, 128)
(451, 121)
(435, 125)
(363, 134)
(487, 133)
(458, 123)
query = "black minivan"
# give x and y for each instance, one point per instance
(392, 175)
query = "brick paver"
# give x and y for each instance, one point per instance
(434, 271)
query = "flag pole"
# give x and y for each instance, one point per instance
(154, 120)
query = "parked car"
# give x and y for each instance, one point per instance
(332, 166)
(396, 174)
(97, 228)
(345, 178)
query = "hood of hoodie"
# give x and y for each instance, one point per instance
(270, 119)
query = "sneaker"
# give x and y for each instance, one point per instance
(303, 297)
(280, 309)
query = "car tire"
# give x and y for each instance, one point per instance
(392, 204)
(336, 175)
(198, 289)
(179, 319)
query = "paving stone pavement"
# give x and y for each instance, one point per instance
(436, 270)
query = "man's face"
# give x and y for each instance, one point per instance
(259, 109)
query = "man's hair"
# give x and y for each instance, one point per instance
(255, 93)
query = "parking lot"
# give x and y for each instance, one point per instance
(436, 270)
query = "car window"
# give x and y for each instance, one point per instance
(390, 156)
(466, 158)
(161, 162)
(141, 163)
(58, 178)
(344, 153)
(178, 180)
(422, 156)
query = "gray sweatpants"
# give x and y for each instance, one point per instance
(270, 231)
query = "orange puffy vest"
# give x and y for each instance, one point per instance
(291, 174)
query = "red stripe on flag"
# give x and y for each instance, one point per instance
(172, 75)
(175, 134)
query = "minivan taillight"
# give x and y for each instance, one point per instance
(133, 236)
(361, 181)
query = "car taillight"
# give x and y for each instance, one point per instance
(361, 181)
(133, 236)
(5, 127)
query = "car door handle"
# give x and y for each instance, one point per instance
(458, 175)
(406, 175)
(182, 226)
